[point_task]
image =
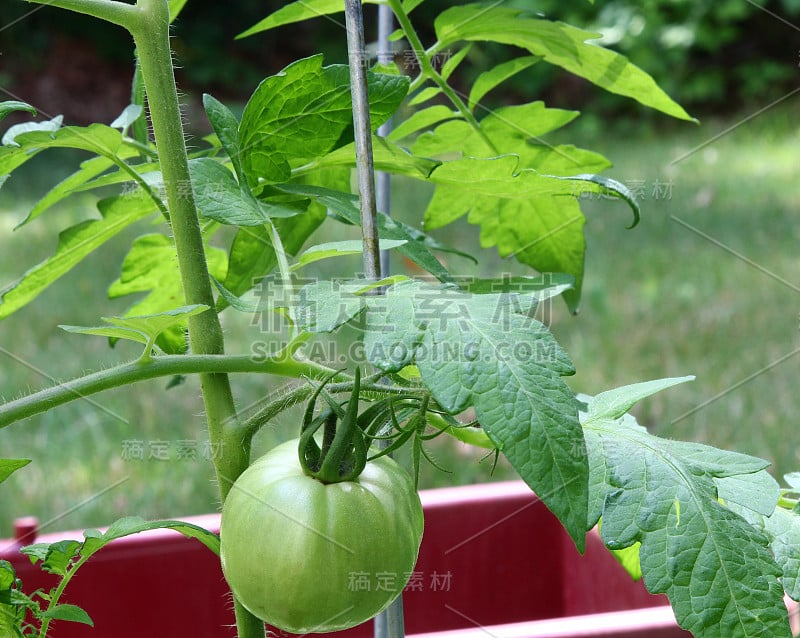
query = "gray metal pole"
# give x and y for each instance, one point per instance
(363, 133)
(385, 28)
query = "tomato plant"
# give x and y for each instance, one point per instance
(689, 517)
(331, 535)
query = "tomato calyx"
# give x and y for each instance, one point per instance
(343, 454)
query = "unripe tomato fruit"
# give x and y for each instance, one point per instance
(309, 557)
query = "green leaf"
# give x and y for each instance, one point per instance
(88, 170)
(534, 290)
(326, 305)
(135, 524)
(36, 552)
(151, 266)
(489, 80)
(303, 97)
(129, 115)
(792, 479)
(252, 256)
(9, 106)
(608, 187)
(143, 330)
(175, 8)
(12, 603)
(56, 558)
(219, 197)
(424, 95)
(96, 138)
(226, 126)
(410, 5)
(628, 557)
(558, 44)
(72, 613)
(614, 404)
(715, 568)
(485, 351)
(7, 575)
(783, 530)
(758, 492)
(9, 466)
(340, 248)
(45, 126)
(422, 120)
(452, 62)
(345, 206)
(526, 215)
(387, 156)
(74, 244)
(297, 12)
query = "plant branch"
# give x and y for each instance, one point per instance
(137, 177)
(62, 585)
(369, 390)
(119, 13)
(161, 366)
(427, 70)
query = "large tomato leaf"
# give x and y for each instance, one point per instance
(532, 217)
(717, 570)
(485, 351)
(310, 102)
(558, 44)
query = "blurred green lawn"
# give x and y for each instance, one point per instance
(706, 284)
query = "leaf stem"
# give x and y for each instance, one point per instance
(284, 270)
(56, 596)
(427, 70)
(137, 177)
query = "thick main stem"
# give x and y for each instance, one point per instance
(151, 36)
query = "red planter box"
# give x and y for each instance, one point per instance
(493, 559)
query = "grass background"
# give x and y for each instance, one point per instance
(706, 284)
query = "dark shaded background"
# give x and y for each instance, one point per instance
(714, 56)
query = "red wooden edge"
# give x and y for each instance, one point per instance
(651, 622)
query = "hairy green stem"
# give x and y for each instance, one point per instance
(119, 13)
(369, 390)
(151, 36)
(427, 70)
(161, 366)
(56, 596)
(283, 269)
(148, 23)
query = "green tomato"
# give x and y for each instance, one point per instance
(309, 557)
